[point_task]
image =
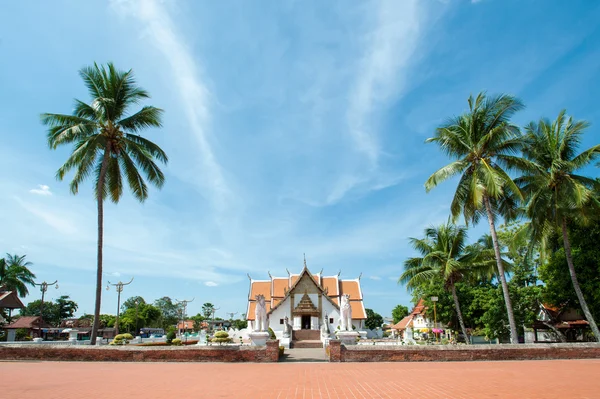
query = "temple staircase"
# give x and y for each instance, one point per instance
(306, 339)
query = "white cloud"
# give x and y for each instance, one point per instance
(383, 70)
(161, 32)
(211, 284)
(41, 190)
(59, 222)
(375, 277)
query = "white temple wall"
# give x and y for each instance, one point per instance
(277, 315)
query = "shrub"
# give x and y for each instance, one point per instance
(327, 350)
(281, 351)
(176, 342)
(121, 339)
(221, 337)
(272, 334)
(445, 341)
(170, 337)
(386, 334)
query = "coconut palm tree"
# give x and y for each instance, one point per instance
(445, 255)
(482, 144)
(15, 274)
(556, 194)
(107, 145)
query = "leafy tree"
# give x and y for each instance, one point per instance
(556, 194)
(399, 312)
(146, 315)
(15, 274)
(208, 309)
(445, 256)
(107, 144)
(107, 320)
(169, 311)
(52, 312)
(239, 324)
(374, 320)
(558, 288)
(132, 303)
(482, 143)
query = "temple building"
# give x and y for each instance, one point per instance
(308, 300)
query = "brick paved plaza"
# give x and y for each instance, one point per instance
(523, 379)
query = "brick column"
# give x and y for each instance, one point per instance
(273, 350)
(335, 350)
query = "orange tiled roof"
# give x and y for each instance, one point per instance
(331, 285)
(420, 308)
(261, 287)
(358, 310)
(294, 279)
(350, 287)
(279, 286)
(402, 324)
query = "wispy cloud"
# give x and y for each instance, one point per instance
(382, 73)
(375, 278)
(59, 223)
(161, 31)
(41, 190)
(211, 284)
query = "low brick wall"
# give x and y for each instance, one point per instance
(439, 353)
(143, 354)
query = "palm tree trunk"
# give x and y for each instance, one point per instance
(100, 242)
(582, 302)
(459, 314)
(514, 337)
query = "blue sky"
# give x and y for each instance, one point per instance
(292, 127)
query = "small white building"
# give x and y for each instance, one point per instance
(308, 300)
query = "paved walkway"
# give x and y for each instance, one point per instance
(525, 379)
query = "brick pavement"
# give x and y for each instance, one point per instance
(508, 379)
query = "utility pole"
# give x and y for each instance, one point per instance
(213, 317)
(231, 314)
(183, 304)
(119, 287)
(43, 287)
(434, 299)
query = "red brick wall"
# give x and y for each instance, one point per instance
(335, 350)
(143, 354)
(463, 353)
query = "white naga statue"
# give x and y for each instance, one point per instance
(325, 327)
(345, 314)
(260, 314)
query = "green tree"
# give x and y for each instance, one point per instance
(482, 144)
(107, 144)
(556, 194)
(132, 303)
(374, 320)
(207, 310)
(169, 311)
(399, 312)
(446, 257)
(53, 312)
(15, 274)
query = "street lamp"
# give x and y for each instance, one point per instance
(183, 310)
(434, 299)
(43, 287)
(119, 287)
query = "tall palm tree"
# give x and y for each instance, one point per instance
(15, 274)
(556, 194)
(482, 144)
(107, 145)
(445, 255)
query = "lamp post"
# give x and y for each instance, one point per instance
(119, 287)
(434, 299)
(231, 314)
(183, 310)
(43, 287)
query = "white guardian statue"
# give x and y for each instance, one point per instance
(345, 314)
(260, 314)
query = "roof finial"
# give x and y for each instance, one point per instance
(340, 272)
(249, 278)
(269, 273)
(288, 272)
(305, 261)
(359, 276)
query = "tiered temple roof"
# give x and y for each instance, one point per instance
(276, 289)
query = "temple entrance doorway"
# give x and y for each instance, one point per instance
(306, 322)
